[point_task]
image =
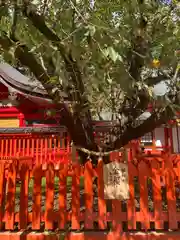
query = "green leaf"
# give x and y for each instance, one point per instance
(120, 58)
(109, 80)
(3, 10)
(112, 54)
(105, 52)
(54, 80)
(92, 30)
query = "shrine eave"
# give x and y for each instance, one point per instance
(23, 85)
(31, 130)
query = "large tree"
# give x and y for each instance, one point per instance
(105, 55)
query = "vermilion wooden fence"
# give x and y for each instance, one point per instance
(45, 148)
(42, 148)
(71, 199)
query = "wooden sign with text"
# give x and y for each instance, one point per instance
(116, 184)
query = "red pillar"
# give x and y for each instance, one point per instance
(21, 120)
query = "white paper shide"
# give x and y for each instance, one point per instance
(116, 184)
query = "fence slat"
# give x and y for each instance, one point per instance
(143, 172)
(88, 188)
(37, 151)
(101, 202)
(54, 149)
(10, 201)
(62, 196)
(32, 144)
(23, 146)
(36, 208)
(15, 141)
(24, 175)
(2, 192)
(28, 147)
(157, 198)
(117, 213)
(2, 147)
(42, 150)
(76, 198)
(171, 198)
(10, 147)
(131, 214)
(49, 197)
(6, 147)
(19, 147)
(50, 148)
(46, 149)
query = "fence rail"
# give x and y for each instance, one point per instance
(59, 197)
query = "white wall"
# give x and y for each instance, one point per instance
(175, 131)
(159, 137)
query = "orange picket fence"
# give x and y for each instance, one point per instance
(70, 198)
(43, 148)
(46, 148)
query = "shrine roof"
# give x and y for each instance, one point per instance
(17, 82)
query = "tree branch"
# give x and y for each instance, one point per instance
(81, 132)
(72, 69)
(155, 120)
(39, 23)
(14, 19)
(132, 108)
(71, 65)
(27, 59)
(151, 81)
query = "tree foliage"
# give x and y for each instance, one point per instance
(105, 55)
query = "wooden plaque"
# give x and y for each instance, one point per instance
(116, 184)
